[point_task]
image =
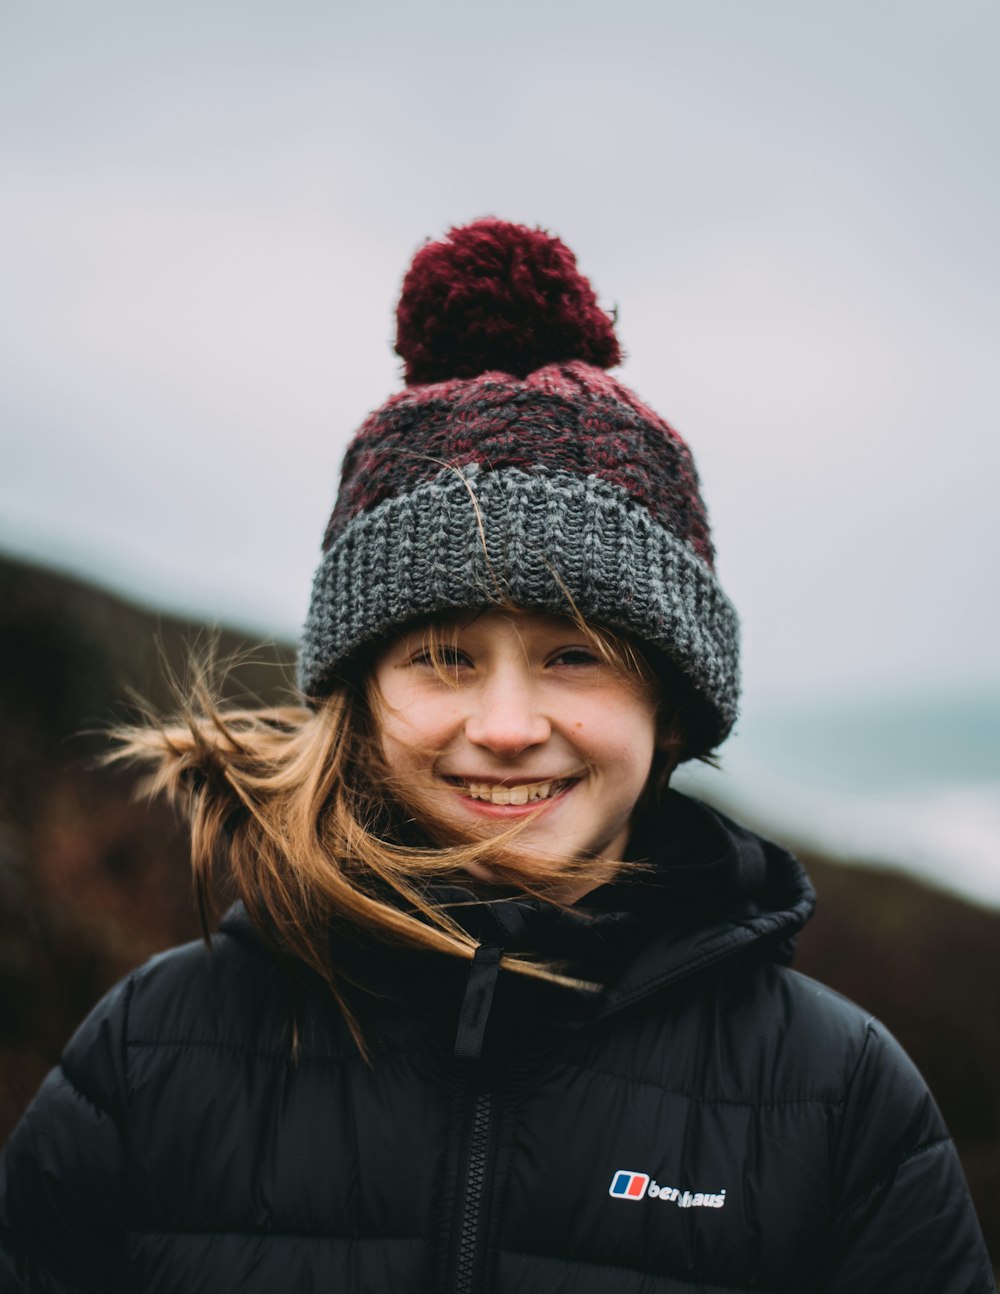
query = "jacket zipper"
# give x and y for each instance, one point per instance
(467, 1251)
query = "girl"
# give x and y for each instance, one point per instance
(494, 1008)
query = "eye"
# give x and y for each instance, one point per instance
(575, 657)
(449, 658)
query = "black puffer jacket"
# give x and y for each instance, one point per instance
(712, 1122)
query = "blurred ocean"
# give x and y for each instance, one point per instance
(910, 783)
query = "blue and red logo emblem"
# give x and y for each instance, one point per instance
(628, 1186)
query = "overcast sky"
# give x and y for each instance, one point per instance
(209, 206)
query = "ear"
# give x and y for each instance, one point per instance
(669, 733)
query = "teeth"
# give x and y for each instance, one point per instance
(526, 794)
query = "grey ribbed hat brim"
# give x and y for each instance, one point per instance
(423, 553)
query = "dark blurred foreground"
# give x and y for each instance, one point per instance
(92, 883)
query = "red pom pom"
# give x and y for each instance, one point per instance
(492, 295)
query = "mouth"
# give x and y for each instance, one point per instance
(511, 793)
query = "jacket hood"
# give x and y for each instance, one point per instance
(712, 891)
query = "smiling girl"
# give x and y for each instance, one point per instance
(521, 721)
(495, 1009)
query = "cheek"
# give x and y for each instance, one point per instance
(398, 754)
(414, 733)
(622, 739)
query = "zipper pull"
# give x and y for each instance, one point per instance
(477, 1001)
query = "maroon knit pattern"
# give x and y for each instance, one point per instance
(563, 418)
(502, 297)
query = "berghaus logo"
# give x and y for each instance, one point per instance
(626, 1185)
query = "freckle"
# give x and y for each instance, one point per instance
(578, 725)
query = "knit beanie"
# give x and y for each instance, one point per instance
(512, 469)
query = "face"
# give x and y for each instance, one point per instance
(529, 722)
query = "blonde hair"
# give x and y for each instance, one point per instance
(294, 811)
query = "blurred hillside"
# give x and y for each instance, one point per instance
(91, 883)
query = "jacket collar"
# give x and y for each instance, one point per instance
(714, 890)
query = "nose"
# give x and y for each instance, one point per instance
(505, 717)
